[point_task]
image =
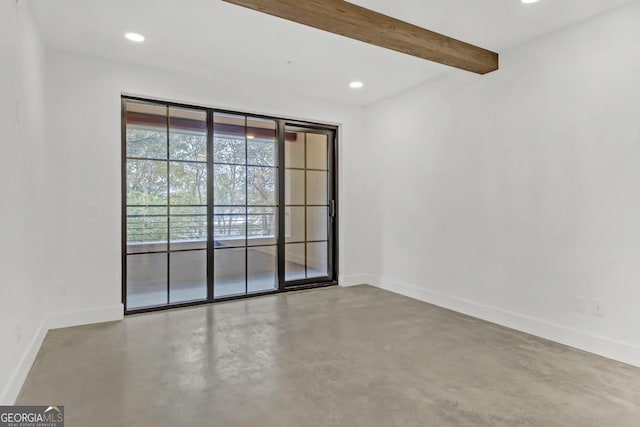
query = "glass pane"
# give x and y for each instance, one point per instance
(188, 210)
(262, 264)
(188, 232)
(294, 261)
(146, 182)
(229, 272)
(294, 150)
(146, 229)
(229, 125)
(146, 280)
(294, 224)
(316, 188)
(316, 151)
(229, 138)
(261, 186)
(229, 185)
(261, 142)
(294, 187)
(146, 130)
(228, 150)
(147, 210)
(317, 259)
(261, 226)
(187, 134)
(261, 128)
(317, 222)
(188, 183)
(229, 227)
(261, 152)
(188, 276)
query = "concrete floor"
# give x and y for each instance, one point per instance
(331, 357)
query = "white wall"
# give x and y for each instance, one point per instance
(60, 214)
(507, 196)
(83, 167)
(21, 197)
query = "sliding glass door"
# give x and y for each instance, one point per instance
(220, 205)
(309, 205)
(245, 210)
(166, 204)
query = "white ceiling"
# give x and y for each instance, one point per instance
(199, 36)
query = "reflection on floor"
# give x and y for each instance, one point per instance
(186, 291)
(352, 357)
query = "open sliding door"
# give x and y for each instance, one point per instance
(309, 206)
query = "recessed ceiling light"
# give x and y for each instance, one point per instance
(134, 37)
(355, 85)
(529, 1)
(250, 136)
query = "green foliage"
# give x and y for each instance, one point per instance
(175, 174)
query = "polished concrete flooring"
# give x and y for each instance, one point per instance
(355, 356)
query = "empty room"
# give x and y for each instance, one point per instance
(320, 213)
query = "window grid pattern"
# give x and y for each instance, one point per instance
(201, 206)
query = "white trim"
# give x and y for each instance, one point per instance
(617, 350)
(54, 321)
(356, 279)
(12, 389)
(85, 317)
(603, 346)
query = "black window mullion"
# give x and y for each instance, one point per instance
(210, 195)
(123, 189)
(306, 225)
(168, 212)
(246, 209)
(332, 206)
(281, 137)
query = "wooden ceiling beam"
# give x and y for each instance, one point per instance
(356, 22)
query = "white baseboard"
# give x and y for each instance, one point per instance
(612, 349)
(602, 346)
(10, 392)
(85, 317)
(54, 321)
(356, 279)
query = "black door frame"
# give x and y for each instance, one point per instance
(332, 200)
(282, 125)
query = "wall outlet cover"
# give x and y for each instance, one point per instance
(597, 308)
(580, 304)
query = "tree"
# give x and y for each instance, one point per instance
(167, 186)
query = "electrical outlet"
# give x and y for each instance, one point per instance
(580, 304)
(597, 308)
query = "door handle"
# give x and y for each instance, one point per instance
(332, 209)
